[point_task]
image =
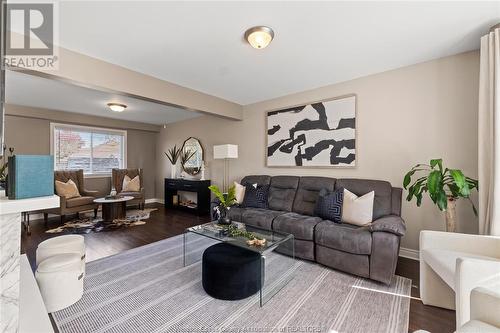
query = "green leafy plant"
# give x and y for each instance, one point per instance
(173, 154)
(225, 199)
(233, 231)
(441, 184)
(3, 167)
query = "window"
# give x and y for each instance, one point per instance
(95, 150)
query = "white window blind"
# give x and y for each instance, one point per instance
(95, 150)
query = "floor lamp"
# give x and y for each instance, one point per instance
(225, 152)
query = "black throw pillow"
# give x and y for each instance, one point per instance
(255, 196)
(329, 205)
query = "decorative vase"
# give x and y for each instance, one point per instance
(173, 170)
(451, 216)
(223, 218)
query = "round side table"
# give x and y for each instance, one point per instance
(113, 208)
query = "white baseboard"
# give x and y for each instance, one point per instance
(409, 253)
(155, 200)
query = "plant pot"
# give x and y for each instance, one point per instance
(224, 221)
(451, 216)
(223, 218)
(173, 171)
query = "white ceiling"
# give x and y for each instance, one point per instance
(200, 44)
(28, 90)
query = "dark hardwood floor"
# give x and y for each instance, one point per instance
(164, 224)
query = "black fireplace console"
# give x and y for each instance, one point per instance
(200, 187)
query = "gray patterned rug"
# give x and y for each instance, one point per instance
(147, 289)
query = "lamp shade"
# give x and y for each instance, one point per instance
(225, 151)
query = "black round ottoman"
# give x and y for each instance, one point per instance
(230, 272)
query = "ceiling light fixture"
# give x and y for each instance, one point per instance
(259, 37)
(117, 107)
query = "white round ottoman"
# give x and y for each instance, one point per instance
(59, 245)
(60, 279)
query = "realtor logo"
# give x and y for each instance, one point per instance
(30, 35)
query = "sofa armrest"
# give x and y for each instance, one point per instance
(485, 305)
(391, 223)
(89, 193)
(474, 244)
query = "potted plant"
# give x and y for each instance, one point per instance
(445, 186)
(3, 167)
(226, 200)
(173, 155)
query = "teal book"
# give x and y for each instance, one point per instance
(30, 176)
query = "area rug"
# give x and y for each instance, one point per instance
(87, 223)
(147, 289)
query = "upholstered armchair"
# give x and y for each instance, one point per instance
(484, 311)
(74, 205)
(117, 176)
(452, 265)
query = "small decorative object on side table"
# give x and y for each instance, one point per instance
(226, 200)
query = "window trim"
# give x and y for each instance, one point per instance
(93, 129)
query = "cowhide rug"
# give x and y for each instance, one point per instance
(87, 223)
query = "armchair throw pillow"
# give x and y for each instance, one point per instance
(68, 190)
(131, 185)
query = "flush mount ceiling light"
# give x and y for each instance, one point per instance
(259, 37)
(117, 107)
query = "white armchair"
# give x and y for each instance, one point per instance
(452, 264)
(484, 311)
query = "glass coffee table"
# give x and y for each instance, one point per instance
(275, 241)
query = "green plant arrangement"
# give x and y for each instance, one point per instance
(445, 186)
(233, 231)
(173, 155)
(226, 200)
(3, 167)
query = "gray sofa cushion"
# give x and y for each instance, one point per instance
(234, 213)
(257, 179)
(390, 223)
(282, 192)
(382, 204)
(344, 237)
(300, 226)
(259, 217)
(308, 191)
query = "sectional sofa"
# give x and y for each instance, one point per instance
(370, 251)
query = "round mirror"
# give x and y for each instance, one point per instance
(193, 151)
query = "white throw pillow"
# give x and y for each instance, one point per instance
(239, 192)
(131, 185)
(358, 210)
(68, 190)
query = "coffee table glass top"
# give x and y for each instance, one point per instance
(219, 232)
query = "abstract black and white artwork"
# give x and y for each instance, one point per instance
(318, 134)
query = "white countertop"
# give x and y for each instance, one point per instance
(25, 205)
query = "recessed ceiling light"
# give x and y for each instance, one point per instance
(259, 37)
(117, 107)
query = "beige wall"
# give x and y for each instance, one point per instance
(404, 117)
(30, 135)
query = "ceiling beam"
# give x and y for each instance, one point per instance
(89, 72)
